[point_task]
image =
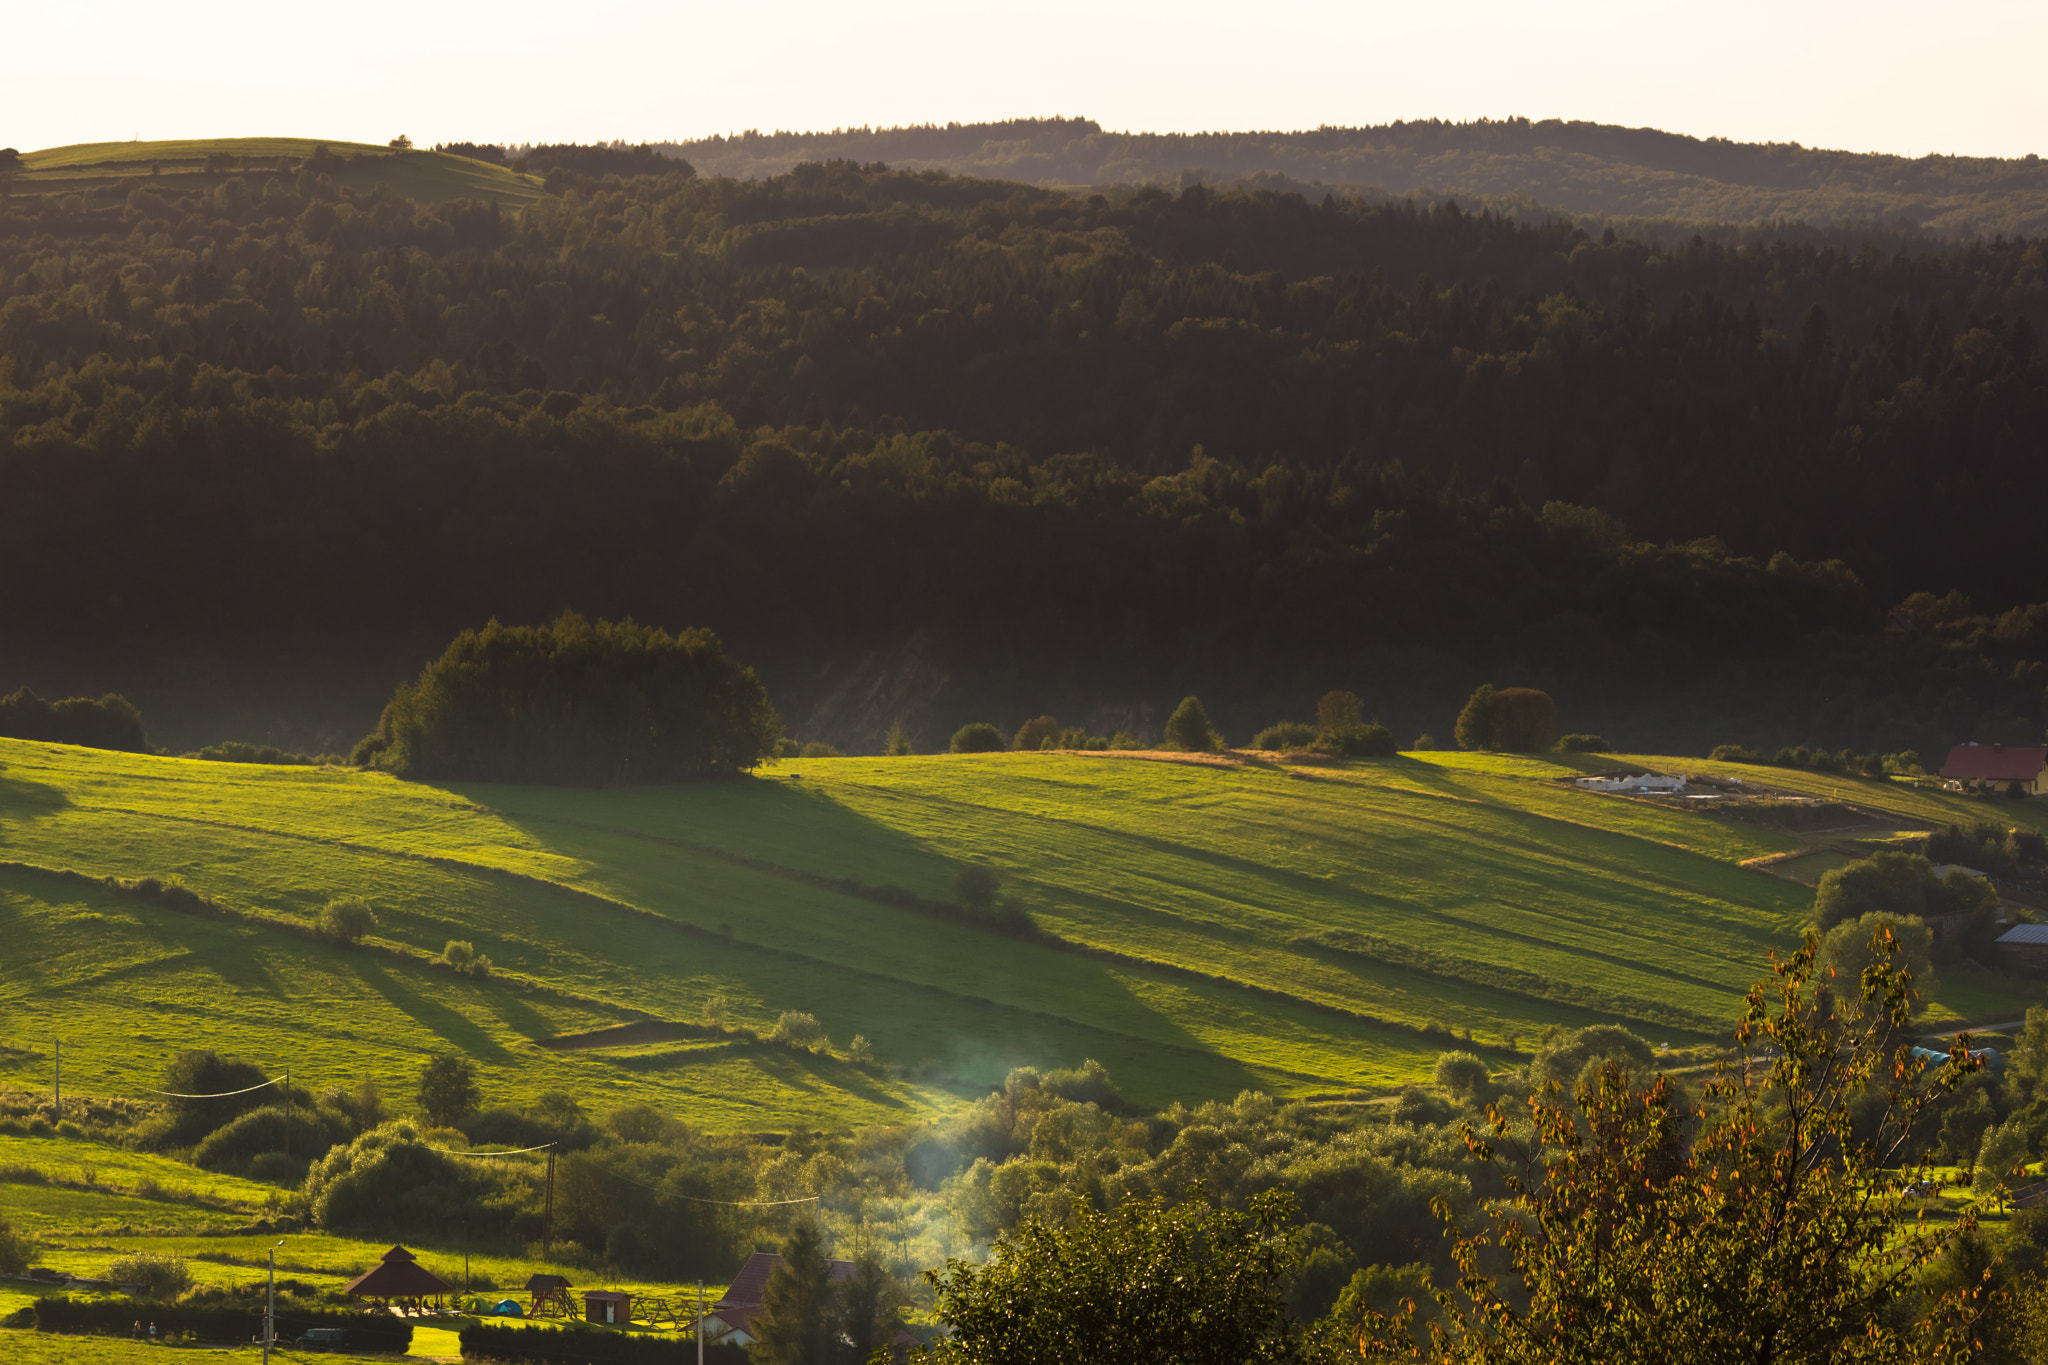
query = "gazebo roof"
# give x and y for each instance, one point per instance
(397, 1276)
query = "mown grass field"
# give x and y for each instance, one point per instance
(115, 168)
(1286, 928)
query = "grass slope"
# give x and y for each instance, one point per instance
(114, 168)
(1288, 928)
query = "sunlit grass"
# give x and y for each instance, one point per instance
(1195, 888)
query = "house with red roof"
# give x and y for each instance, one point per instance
(732, 1317)
(1997, 768)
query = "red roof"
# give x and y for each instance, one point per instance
(1994, 763)
(750, 1286)
(398, 1276)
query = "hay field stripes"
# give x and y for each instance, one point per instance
(1525, 845)
(1190, 891)
(1130, 1035)
(878, 979)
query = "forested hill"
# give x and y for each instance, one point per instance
(969, 449)
(1591, 170)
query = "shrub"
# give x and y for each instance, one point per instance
(1363, 741)
(979, 737)
(1424, 742)
(1461, 1074)
(818, 748)
(229, 1088)
(1584, 744)
(860, 1052)
(108, 723)
(17, 1252)
(577, 1345)
(233, 1146)
(899, 742)
(448, 1088)
(1734, 753)
(714, 1011)
(1285, 737)
(1189, 730)
(367, 1332)
(1125, 741)
(1034, 733)
(1337, 712)
(347, 919)
(392, 1180)
(1510, 720)
(975, 887)
(794, 1028)
(155, 1274)
(577, 701)
(458, 953)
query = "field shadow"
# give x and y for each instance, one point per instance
(23, 798)
(995, 1001)
(445, 1022)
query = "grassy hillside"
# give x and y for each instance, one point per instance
(1592, 170)
(1300, 930)
(93, 168)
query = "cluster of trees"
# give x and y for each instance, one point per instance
(1508, 720)
(111, 722)
(576, 701)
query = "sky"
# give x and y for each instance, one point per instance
(1875, 76)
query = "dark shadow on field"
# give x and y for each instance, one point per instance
(808, 1072)
(443, 1021)
(761, 826)
(513, 1011)
(22, 798)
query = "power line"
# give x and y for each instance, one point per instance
(515, 1151)
(172, 1094)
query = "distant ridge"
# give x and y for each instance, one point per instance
(1572, 167)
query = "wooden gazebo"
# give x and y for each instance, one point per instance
(398, 1283)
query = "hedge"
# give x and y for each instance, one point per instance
(577, 1346)
(115, 1317)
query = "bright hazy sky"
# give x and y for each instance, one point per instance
(1875, 76)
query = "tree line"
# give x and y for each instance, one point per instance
(824, 413)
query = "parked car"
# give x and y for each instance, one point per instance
(323, 1339)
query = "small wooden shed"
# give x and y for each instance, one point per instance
(612, 1307)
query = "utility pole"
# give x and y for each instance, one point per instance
(700, 1322)
(270, 1307)
(547, 1227)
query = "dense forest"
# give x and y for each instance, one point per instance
(931, 449)
(1533, 167)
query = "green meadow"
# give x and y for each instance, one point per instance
(1299, 929)
(115, 168)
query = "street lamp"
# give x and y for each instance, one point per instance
(270, 1306)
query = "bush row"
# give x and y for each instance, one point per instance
(574, 1346)
(117, 1317)
(1905, 763)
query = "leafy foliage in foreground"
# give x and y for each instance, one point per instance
(1141, 1283)
(1762, 1224)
